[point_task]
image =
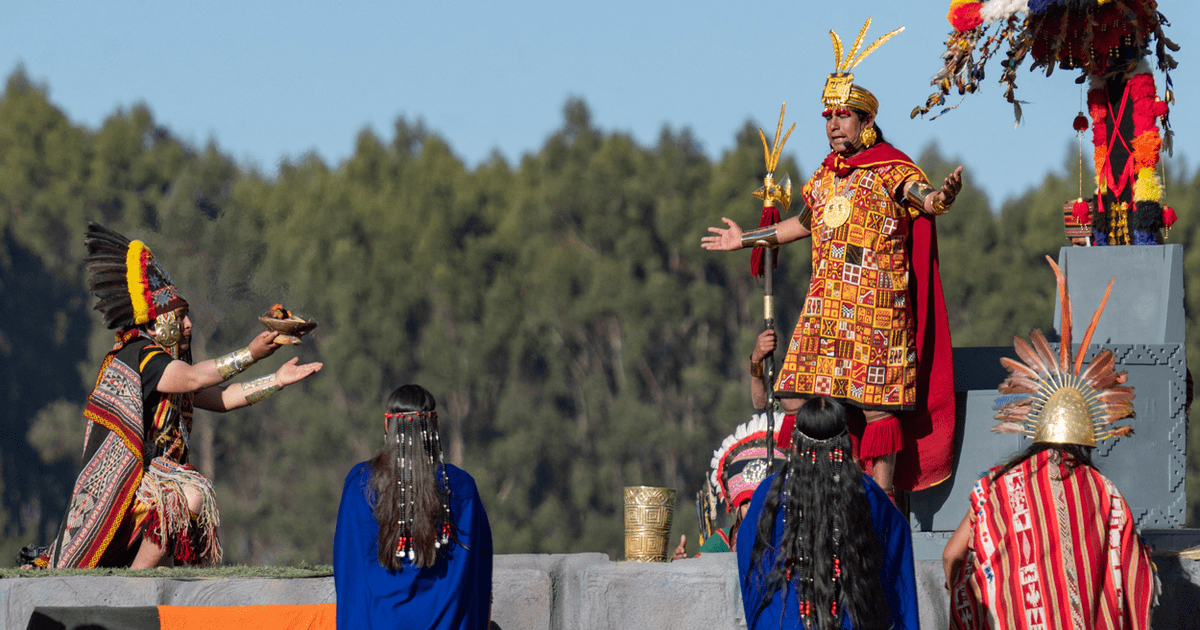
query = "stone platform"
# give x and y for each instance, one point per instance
(543, 592)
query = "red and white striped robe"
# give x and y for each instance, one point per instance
(1052, 548)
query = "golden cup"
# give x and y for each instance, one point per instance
(648, 513)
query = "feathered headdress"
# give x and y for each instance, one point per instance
(740, 463)
(840, 90)
(131, 288)
(1052, 397)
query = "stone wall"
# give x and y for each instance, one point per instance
(550, 592)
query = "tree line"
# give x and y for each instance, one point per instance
(576, 336)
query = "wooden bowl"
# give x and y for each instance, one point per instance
(290, 329)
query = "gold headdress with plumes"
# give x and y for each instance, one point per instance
(840, 90)
(1051, 397)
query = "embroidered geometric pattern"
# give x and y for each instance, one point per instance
(105, 487)
(855, 336)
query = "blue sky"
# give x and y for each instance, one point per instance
(270, 81)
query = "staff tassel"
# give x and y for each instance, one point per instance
(763, 260)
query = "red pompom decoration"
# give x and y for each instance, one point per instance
(1080, 123)
(1168, 216)
(1159, 109)
(964, 16)
(1079, 212)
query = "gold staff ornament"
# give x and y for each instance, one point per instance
(772, 194)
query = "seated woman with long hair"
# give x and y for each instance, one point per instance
(413, 548)
(830, 551)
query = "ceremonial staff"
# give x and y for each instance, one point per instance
(775, 197)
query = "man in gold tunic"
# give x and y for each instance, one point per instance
(873, 331)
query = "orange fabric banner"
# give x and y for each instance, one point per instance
(271, 617)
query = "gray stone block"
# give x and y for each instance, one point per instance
(932, 598)
(1146, 306)
(21, 595)
(683, 595)
(976, 449)
(1149, 468)
(521, 599)
(567, 580)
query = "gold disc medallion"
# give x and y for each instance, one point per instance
(837, 212)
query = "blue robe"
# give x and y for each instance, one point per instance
(895, 565)
(454, 594)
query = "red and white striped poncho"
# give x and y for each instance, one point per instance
(1052, 548)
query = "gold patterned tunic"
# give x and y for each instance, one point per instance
(855, 340)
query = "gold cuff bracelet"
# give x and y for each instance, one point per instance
(234, 363)
(762, 237)
(269, 384)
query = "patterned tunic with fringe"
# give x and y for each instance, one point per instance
(873, 332)
(1052, 547)
(855, 340)
(135, 468)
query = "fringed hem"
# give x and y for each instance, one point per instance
(189, 538)
(881, 437)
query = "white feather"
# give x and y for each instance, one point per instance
(993, 10)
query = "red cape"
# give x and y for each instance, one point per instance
(928, 453)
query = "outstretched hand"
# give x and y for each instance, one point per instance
(726, 239)
(951, 187)
(291, 372)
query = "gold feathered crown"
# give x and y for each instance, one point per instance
(1052, 397)
(840, 90)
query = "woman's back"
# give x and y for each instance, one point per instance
(455, 593)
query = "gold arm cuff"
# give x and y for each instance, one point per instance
(234, 363)
(762, 237)
(918, 192)
(806, 217)
(264, 387)
(756, 369)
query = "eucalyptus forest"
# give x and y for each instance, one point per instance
(560, 308)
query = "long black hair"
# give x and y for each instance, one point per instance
(412, 507)
(828, 547)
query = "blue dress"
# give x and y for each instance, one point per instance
(895, 565)
(454, 594)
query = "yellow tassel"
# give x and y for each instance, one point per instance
(1147, 186)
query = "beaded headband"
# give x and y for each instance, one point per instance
(411, 415)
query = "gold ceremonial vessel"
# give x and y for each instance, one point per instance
(290, 327)
(648, 513)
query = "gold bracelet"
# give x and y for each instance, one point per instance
(270, 385)
(234, 363)
(917, 193)
(756, 369)
(762, 237)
